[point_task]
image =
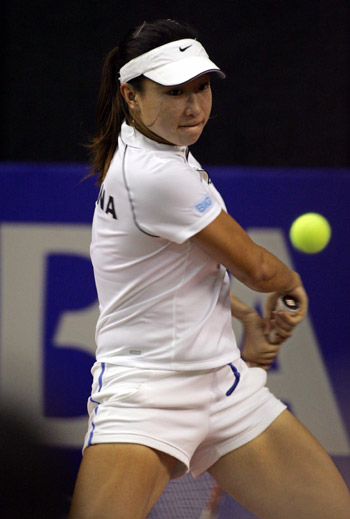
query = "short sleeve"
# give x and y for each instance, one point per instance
(170, 199)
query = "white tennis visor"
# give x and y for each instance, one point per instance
(171, 64)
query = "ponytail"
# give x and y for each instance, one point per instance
(111, 112)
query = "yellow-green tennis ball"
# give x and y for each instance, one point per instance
(310, 233)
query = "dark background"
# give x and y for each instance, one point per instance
(284, 102)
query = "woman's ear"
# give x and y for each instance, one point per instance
(129, 94)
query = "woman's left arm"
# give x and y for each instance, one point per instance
(257, 350)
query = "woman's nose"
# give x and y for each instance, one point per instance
(193, 105)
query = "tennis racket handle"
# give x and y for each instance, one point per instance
(286, 304)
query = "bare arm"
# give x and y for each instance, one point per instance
(227, 242)
(240, 310)
(256, 348)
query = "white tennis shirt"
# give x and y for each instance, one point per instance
(164, 303)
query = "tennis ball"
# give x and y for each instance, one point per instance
(310, 233)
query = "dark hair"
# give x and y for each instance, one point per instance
(112, 108)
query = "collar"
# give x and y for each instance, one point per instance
(136, 139)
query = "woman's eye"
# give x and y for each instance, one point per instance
(178, 91)
(204, 86)
(175, 92)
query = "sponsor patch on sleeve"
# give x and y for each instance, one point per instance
(204, 204)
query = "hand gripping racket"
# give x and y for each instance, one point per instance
(286, 304)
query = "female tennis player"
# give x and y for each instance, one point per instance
(170, 390)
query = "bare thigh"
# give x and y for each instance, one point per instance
(119, 481)
(284, 473)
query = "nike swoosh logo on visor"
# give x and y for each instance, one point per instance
(185, 48)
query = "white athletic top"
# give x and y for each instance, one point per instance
(164, 303)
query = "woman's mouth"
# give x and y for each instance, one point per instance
(192, 125)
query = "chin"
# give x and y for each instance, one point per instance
(193, 140)
(188, 140)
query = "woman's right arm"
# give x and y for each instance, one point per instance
(227, 242)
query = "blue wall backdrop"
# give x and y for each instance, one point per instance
(49, 307)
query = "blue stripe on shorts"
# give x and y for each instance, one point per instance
(103, 367)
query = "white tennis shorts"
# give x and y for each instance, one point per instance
(185, 414)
